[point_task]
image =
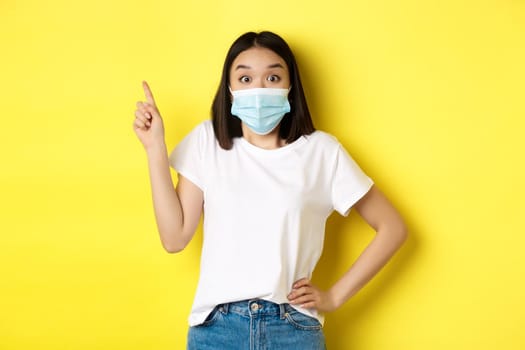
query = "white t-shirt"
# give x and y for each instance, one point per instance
(264, 212)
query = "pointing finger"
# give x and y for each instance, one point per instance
(147, 92)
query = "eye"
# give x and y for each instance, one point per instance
(244, 79)
(273, 78)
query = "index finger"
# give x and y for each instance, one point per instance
(147, 92)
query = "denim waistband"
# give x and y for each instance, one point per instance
(257, 307)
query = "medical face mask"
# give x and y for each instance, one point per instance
(261, 109)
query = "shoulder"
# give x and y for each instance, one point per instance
(321, 142)
(204, 127)
(202, 132)
(197, 139)
(323, 139)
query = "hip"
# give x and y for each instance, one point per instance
(257, 325)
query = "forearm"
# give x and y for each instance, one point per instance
(368, 264)
(166, 204)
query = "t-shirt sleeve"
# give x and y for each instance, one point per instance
(188, 156)
(349, 182)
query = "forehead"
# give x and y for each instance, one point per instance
(257, 58)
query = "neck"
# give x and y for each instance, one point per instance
(268, 141)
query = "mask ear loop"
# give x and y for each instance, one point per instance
(231, 93)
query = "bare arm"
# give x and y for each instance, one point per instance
(177, 211)
(391, 232)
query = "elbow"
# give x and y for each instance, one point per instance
(173, 246)
(173, 241)
(172, 249)
(395, 232)
(401, 232)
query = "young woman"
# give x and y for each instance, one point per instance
(266, 181)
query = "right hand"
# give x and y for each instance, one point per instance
(148, 123)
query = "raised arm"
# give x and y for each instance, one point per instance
(177, 211)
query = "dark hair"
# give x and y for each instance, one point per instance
(294, 124)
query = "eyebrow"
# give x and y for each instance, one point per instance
(275, 65)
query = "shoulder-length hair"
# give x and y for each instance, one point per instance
(294, 124)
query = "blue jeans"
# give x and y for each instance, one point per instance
(256, 325)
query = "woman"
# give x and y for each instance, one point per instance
(266, 182)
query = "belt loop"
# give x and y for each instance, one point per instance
(282, 311)
(224, 308)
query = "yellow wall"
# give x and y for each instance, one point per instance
(426, 95)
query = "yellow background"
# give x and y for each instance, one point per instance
(426, 95)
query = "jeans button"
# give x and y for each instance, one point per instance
(254, 307)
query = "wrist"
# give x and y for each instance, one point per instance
(337, 298)
(155, 149)
(156, 152)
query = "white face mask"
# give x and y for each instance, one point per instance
(261, 109)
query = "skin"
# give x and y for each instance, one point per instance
(178, 210)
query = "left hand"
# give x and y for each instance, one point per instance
(308, 296)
